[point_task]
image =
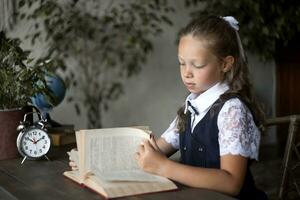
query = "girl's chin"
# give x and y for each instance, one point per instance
(195, 91)
(198, 90)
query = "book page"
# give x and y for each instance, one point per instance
(83, 171)
(136, 175)
(109, 154)
(112, 189)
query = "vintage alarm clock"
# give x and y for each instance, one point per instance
(33, 141)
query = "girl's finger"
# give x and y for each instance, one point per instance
(72, 164)
(148, 146)
(141, 148)
(74, 168)
(153, 142)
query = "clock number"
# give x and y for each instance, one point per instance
(44, 147)
(26, 147)
(40, 150)
(35, 152)
(45, 141)
(30, 150)
(29, 134)
(24, 143)
(34, 132)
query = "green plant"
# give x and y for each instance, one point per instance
(265, 25)
(18, 80)
(102, 42)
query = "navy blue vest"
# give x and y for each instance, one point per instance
(201, 148)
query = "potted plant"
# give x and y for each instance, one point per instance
(19, 82)
(103, 43)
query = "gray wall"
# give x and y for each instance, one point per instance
(263, 79)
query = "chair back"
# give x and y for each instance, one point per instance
(289, 169)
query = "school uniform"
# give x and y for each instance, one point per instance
(215, 128)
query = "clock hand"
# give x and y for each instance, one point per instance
(40, 139)
(31, 140)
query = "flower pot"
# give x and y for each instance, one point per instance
(9, 120)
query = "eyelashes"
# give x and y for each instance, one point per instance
(200, 66)
(194, 65)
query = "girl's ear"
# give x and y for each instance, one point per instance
(228, 63)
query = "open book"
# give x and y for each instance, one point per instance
(106, 163)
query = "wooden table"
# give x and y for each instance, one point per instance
(43, 180)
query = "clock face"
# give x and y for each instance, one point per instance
(35, 143)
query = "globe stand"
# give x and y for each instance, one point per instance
(50, 121)
(60, 133)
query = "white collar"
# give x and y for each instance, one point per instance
(206, 99)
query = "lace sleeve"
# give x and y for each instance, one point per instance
(238, 134)
(171, 135)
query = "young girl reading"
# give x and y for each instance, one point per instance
(218, 128)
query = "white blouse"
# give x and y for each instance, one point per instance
(238, 134)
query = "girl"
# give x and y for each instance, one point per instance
(217, 129)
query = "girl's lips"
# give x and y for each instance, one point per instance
(189, 85)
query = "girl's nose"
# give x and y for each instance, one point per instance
(188, 71)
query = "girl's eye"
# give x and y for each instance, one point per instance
(199, 66)
(181, 64)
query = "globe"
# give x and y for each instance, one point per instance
(58, 90)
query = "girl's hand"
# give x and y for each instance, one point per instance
(73, 156)
(73, 165)
(153, 143)
(149, 159)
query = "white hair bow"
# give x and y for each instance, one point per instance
(235, 25)
(232, 21)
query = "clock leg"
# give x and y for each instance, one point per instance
(47, 157)
(23, 160)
